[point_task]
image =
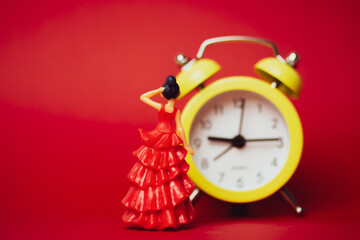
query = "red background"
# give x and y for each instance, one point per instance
(71, 73)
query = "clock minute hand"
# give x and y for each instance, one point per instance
(263, 139)
(238, 142)
(280, 140)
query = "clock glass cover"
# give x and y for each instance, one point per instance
(241, 140)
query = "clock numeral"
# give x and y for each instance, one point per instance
(239, 102)
(259, 107)
(274, 162)
(222, 175)
(205, 124)
(204, 163)
(197, 142)
(275, 123)
(259, 177)
(219, 109)
(281, 143)
(240, 183)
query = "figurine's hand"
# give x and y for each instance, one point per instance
(189, 149)
(161, 89)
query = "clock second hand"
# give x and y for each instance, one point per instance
(221, 154)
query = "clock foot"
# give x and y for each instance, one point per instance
(195, 196)
(292, 201)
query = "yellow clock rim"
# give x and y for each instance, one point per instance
(286, 109)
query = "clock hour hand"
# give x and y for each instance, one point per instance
(219, 139)
(237, 141)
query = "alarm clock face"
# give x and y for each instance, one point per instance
(241, 140)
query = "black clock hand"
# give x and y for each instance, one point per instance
(220, 139)
(241, 114)
(239, 141)
(263, 139)
(280, 140)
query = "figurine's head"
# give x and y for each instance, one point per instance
(172, 89)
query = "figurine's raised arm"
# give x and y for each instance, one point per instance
(146, 98)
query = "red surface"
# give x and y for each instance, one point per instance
(70, 76)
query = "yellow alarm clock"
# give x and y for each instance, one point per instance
(246, 134)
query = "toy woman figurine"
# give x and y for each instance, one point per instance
(159, 194)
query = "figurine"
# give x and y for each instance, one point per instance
(159, 194)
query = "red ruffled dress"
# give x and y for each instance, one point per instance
(159, 194)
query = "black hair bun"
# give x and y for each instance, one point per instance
(171, 80)
(172, 89)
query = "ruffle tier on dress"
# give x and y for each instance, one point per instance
(160, 138)
(155, 198)
(169, 217)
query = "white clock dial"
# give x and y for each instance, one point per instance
(241, 141)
